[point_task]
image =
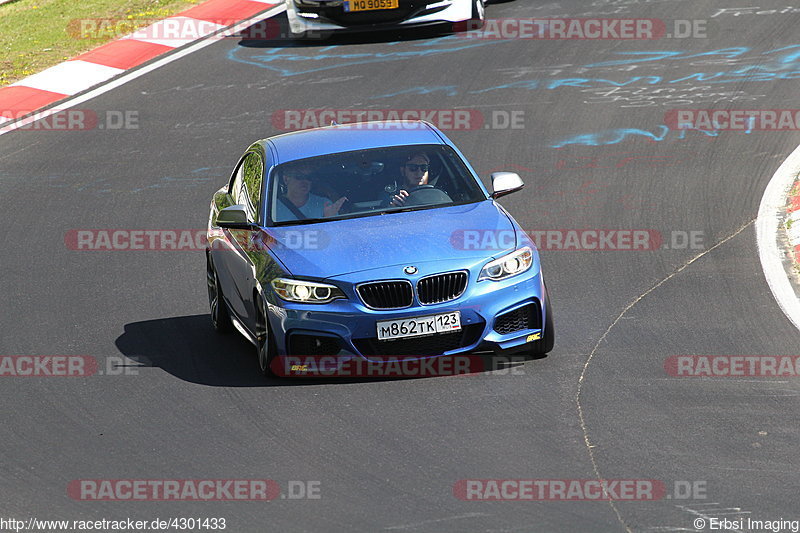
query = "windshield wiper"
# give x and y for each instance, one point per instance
(415, 208)
(303, 221)
(399, 210)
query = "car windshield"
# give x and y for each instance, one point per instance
(369, 182)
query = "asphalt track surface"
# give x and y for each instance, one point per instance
(388, 453)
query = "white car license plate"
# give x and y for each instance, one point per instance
(418, 326)
(369, 5)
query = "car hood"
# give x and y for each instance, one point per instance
(330, 249)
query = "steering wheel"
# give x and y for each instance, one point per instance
(426, 195)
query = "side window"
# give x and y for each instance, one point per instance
(253, 171)
(236, 185)
(246, 186)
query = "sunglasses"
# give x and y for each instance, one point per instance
(414, 168)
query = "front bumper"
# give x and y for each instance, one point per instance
(347, 328)
(309, 21)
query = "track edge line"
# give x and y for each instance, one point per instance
(767, 223)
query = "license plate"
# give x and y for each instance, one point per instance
(419, 326)
(370, 5)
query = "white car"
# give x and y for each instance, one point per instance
(310, 18)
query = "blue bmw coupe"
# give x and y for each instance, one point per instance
(371, 240)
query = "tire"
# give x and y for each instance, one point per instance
(478, 14)
(220, 317)
(266, 348)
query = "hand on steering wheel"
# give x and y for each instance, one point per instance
(399, 199)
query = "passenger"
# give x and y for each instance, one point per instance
(295, 202)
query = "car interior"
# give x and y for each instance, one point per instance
(368, 178)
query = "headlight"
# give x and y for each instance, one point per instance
(307, 292)
(509, 265)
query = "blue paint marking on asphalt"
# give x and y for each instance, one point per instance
(788, 58)
(612, 136)
(617, 135)
(742, 75)
(449, 90)
(782, 64)
(585, 83)
(287, 62)
(750, 123)
(643, 57)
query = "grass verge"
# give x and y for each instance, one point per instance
(37, 34)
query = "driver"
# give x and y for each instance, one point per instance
(414, 173)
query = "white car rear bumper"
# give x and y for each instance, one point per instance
(457, 11)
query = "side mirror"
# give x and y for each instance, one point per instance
(504, 183)
(233, 217)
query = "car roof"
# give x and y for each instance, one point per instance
(347, 137)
